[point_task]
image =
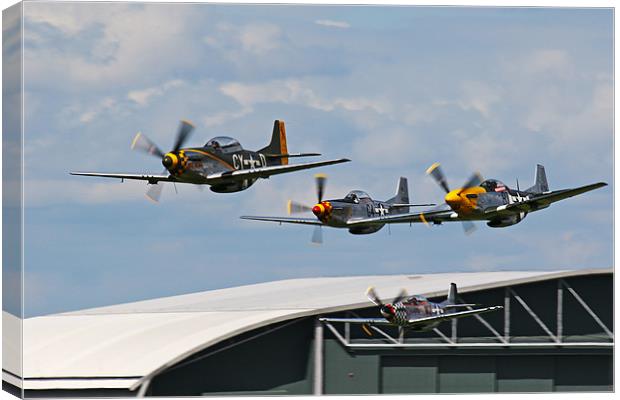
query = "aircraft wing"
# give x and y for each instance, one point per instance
(369, 321)
(304, 221)
(429, 216)
(544, 199)
(448, 316)
(142, 177)
(266, 172)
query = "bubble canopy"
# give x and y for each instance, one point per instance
(224, 143)
(493, 185)
(356, 195)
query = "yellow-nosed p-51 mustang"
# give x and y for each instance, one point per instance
(221, 163)
(483, 200)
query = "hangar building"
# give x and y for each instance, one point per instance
(554, 334)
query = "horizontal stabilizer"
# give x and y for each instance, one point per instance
(291, 155)
(449, 316)
(266, 172)
(369, 321)
(543, 200)
(413, 205)
(463, 305)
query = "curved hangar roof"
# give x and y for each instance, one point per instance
(119, 346)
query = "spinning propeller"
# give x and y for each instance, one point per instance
(320, 209)
(387, 310)
(172, 161)
(453, 197)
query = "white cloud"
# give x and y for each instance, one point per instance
(389, 147)
(254, 39)
(294, 91)
(129, 41)
(260, 38)
(222, 117)
(333, 23)
(555, 61)
(492, 153)
(144, 96)
(72, 18)
(479, 96)
(105, 104)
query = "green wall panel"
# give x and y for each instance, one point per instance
(525, 373)
(466, 374)
(584, 373)
(349, 373)
(408, 374)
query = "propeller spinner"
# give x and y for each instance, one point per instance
(173, 161)
(320, 210)
(457, 199)
(387, 310)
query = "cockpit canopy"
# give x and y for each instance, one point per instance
(224, 143)
(493, 185)
(356, 195)
(417, 300)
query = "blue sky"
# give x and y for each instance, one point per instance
(393, 88)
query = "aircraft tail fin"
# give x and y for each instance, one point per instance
(541, 185)
(402, 192)
(452, 294)
(277, 144)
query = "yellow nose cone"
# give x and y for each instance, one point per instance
(452, 198)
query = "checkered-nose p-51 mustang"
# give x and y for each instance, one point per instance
(484, 200)
(341, 213)
(415, 312)
(221, 163)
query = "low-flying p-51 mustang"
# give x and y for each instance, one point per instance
(221, 163)
(339, 213)
(415, 312)
(485, 200)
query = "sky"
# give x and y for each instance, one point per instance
(394, 89)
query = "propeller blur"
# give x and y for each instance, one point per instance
(221, 163)
(487, 200)
(341, 213)
(415, 312)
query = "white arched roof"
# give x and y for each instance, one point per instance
(119, 346)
